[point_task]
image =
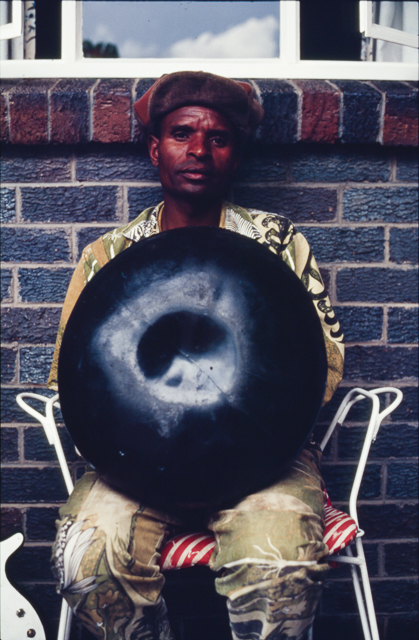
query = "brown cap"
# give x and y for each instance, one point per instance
(235, 100)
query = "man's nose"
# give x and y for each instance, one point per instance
(198, 147)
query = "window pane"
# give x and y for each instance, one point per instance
(5, 12)
(144, 29)
(397, 15)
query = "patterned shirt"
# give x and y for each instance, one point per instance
(274, 231)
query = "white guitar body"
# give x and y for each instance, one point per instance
(19, 619)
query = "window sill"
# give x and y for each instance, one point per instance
(73, 111)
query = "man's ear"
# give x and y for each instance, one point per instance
(153, 150)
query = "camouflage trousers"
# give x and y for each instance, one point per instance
(269, 558)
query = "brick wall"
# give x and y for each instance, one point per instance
(335, 158)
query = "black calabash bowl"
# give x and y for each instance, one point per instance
(192, 369)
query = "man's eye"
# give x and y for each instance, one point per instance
(180, 135)
(219, 141)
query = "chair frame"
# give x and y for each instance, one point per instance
(357, 562)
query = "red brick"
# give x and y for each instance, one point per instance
(112, 111)
(11, 522)
(4, 126)
(70, 111)
(5, 87)
(320, 111)
(28, 104)
(401, 113)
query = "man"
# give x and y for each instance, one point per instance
(269, 555)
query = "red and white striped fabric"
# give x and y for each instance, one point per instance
(196, 548)
(187, 551)
(340, 528)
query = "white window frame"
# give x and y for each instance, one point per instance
(13, 29)
(372, 30)
(288, 65)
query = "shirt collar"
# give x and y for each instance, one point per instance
(232, 217)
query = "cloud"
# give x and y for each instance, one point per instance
(133, 49)
(102, 33)
(255, 38)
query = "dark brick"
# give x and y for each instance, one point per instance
(300, 205)
(395, 204)
(395, 595)
(339, 478)
(7, 205)
(261, 164)
(404, 245)
(380, 363)
(393, 441)
(402, 480)
(112, 111)
(8, 364)
(371, 555)
(361, 111)
(10, 410)
(6, 285)
(402, 325)
(29, 325)
(28, 108)
(325, 274)
(139, 198)
(361, 324)
(408, 409)
(280, 101)
(37, 448)
(27, 484)
(70, 106)
(114, 162)
(30, 563)
(401, 559)
(327, 164)
(9, 442)
(40, 523)
(400, 113)
(86, 235)
(35, 245)
(407, 165)
(69, 204)
(377, 284)
(389, 520)
(404, 626)
(35, 364)
(11, 522)
(37, 164)
(44, 285)
(334, 244)
(320, 111)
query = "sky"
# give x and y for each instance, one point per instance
(184, 29)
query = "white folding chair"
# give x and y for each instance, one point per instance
(357, 562)
(341, 529)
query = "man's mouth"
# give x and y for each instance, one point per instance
(196, 173)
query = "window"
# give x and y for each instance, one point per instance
(240, 38)
(391, 31)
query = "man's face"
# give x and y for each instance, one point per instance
(196, 153)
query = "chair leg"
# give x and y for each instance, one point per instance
(66, 617)
(363, 593)
(367, 590)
